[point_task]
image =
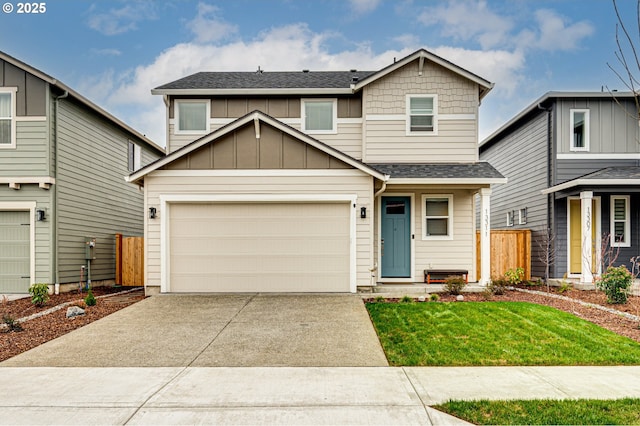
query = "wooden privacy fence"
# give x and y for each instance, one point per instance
(510, 249)
(129, 260)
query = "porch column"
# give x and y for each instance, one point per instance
(586, 215)
(485, 235)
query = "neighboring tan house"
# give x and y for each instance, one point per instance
(62, 162)
(316, 181)
(573, 164)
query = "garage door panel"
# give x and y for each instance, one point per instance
(260, 247)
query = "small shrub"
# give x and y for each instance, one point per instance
(615, 283)
(454, 284)
(498, 286)
(378, 299)
(514, 276)
(90, 300)
(406, 299)
(487, 294)
(434, 297)
(11, 323)
(39, 294)
(564, 286)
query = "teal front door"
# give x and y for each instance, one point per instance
(395, 244)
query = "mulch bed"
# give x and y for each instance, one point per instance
(50, 326)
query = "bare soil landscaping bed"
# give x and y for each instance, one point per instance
(55, 324)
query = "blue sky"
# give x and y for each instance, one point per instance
(114, 52)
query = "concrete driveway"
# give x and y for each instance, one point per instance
(240, 330)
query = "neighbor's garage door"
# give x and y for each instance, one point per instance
(14, 252)
(259, 247)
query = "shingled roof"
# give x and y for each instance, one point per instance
(268, 80)
(474, 171)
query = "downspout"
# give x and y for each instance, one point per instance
(374, 269)
(550, 196)
(54, 225)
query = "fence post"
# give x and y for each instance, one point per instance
(118, 259)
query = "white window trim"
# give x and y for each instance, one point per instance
(12, 91)
(627, 221)
(303, 115)
(522, 216)
(408, 115)
(510, 217)
(176, 115)
(426, 237)
(137, 156)
(586, 130)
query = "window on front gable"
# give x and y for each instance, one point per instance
(319, 115)
(579, 124)
(7, 119)
(620, 222)
(192, 116)
(422, 114)
(437, 212)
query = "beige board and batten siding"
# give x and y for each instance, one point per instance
(93, 198)
(455, 253)
(336, 182)
(384, 110)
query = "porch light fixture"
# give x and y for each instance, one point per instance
(40, 215)
(152, 212)
(363, 212)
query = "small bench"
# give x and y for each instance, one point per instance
(440, 275)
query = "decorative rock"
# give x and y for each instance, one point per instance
(460, 298)
(74, 311)
(421, 299)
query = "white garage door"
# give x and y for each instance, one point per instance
(14, 252)
(259, 247)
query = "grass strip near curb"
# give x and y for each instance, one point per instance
(493, 334)
(546, 412)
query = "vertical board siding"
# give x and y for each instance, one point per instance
(93, 198)
(521, 156)
(31, 155)
(613, 126)
(362, 186)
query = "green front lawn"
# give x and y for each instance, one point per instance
(494, 333)
(546, 412)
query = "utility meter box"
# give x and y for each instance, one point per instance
(89, 248)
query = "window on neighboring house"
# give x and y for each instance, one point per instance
(620, 222)
(7, 119)
(522, 216)
(579, 130)
(135, 155)
(319, 115)
(510, 217)
(192, 116)
(422, 112)
(437, 216)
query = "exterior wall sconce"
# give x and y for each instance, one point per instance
(152, 212)
(363, 212)
(40, 215)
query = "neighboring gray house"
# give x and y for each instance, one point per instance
(573, 164)
(62, 163)
(317, 181)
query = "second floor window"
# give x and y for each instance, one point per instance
(579, 130)
(192, 116)
(319, 115)
(422, 114)
(6, 119)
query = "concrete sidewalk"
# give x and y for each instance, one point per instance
(285, 395)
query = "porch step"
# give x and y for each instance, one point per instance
(400, 290)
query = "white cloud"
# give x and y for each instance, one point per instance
(556, 34)
(125, 19)
(364, 6)
(207, 26)
(465, 20)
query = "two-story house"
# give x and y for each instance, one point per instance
(573, 164)
(62, 163)
(317, 181)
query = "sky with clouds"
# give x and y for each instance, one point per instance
(114, 52)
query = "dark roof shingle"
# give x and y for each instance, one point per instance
(481, 170)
